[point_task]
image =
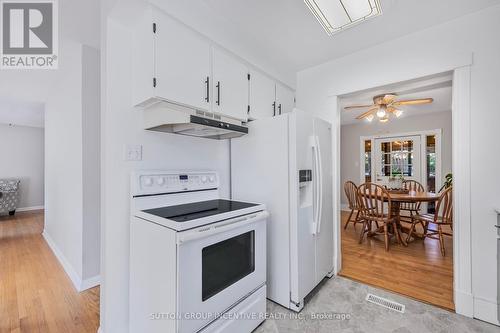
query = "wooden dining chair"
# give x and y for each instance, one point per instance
(443, 216)
(351, 192)
(376, 207)
(412, 208)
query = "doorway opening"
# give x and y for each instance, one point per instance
(408, 143)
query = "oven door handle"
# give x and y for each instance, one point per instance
(221, 227)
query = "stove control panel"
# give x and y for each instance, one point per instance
(156, 182)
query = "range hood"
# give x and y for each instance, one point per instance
(165, 117)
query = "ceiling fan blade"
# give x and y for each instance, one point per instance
(413, 101)
(357, 107)
(367, 113)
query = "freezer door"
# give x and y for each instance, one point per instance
(302, 201)
(324, 227)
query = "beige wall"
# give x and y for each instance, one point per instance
(350, 134)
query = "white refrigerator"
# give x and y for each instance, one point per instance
(285, 162)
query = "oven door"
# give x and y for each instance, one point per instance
(219, 265)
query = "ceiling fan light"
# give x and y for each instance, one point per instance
(398, 113)
(381, 112)
(384, 120)
(370, 118)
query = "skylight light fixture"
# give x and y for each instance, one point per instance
(338, 15)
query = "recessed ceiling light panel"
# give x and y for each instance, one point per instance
(338, 15)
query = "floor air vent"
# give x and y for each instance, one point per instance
(391, 305)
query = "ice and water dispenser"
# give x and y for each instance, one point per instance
(305, 188)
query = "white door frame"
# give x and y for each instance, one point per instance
(462, 247)
(423, 152)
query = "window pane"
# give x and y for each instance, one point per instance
(368, 161)
(386, 170)
(397, 145)
(385, 147)
(431, 168)
(408, 146)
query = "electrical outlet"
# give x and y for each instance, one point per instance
(133, 153)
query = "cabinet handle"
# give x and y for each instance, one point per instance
(207, 83)
(274, 109)
(218, 93)
(279, 109)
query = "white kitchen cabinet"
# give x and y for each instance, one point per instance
(262, 95)
(175, 64)
(268, 98)
(285, 99)
(171, 63)
(182, 63)
(230, 86)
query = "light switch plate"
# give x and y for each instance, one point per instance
(133, 153)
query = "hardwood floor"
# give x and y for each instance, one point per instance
(36, 295)
(418, 271)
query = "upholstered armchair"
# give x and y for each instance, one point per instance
(9, 195)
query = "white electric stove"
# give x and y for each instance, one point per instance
(197, 261)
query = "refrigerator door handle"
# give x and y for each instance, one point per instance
(314, 144)
(320, 190)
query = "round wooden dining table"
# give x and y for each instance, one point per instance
(397, 198)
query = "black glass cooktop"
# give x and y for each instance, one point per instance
(196, 210)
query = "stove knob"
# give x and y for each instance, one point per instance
(148, 181)
(203, 179)
(212, 179)
(161, 181)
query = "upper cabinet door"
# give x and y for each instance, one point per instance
(182, 64)
(262, 96)
(285, 99)
(230, 86)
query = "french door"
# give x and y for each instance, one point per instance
(397, 157)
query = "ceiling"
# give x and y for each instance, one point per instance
(21, 112)
(287, 33)
(437, 87)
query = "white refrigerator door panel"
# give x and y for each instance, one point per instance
(302, 244)
(324, 238)
(259, 173)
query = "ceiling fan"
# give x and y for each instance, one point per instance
(385, 105)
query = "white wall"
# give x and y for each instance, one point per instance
(434, 50)
(71, 129)
(22, 151)
(63, 162)
(91, 150)
(351, 133)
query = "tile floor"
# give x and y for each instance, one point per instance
(343, 296)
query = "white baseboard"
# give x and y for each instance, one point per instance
(90, 283)
(26, 209)
(78, 283)
(70, 271)
(464, 303)
(486, 310)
